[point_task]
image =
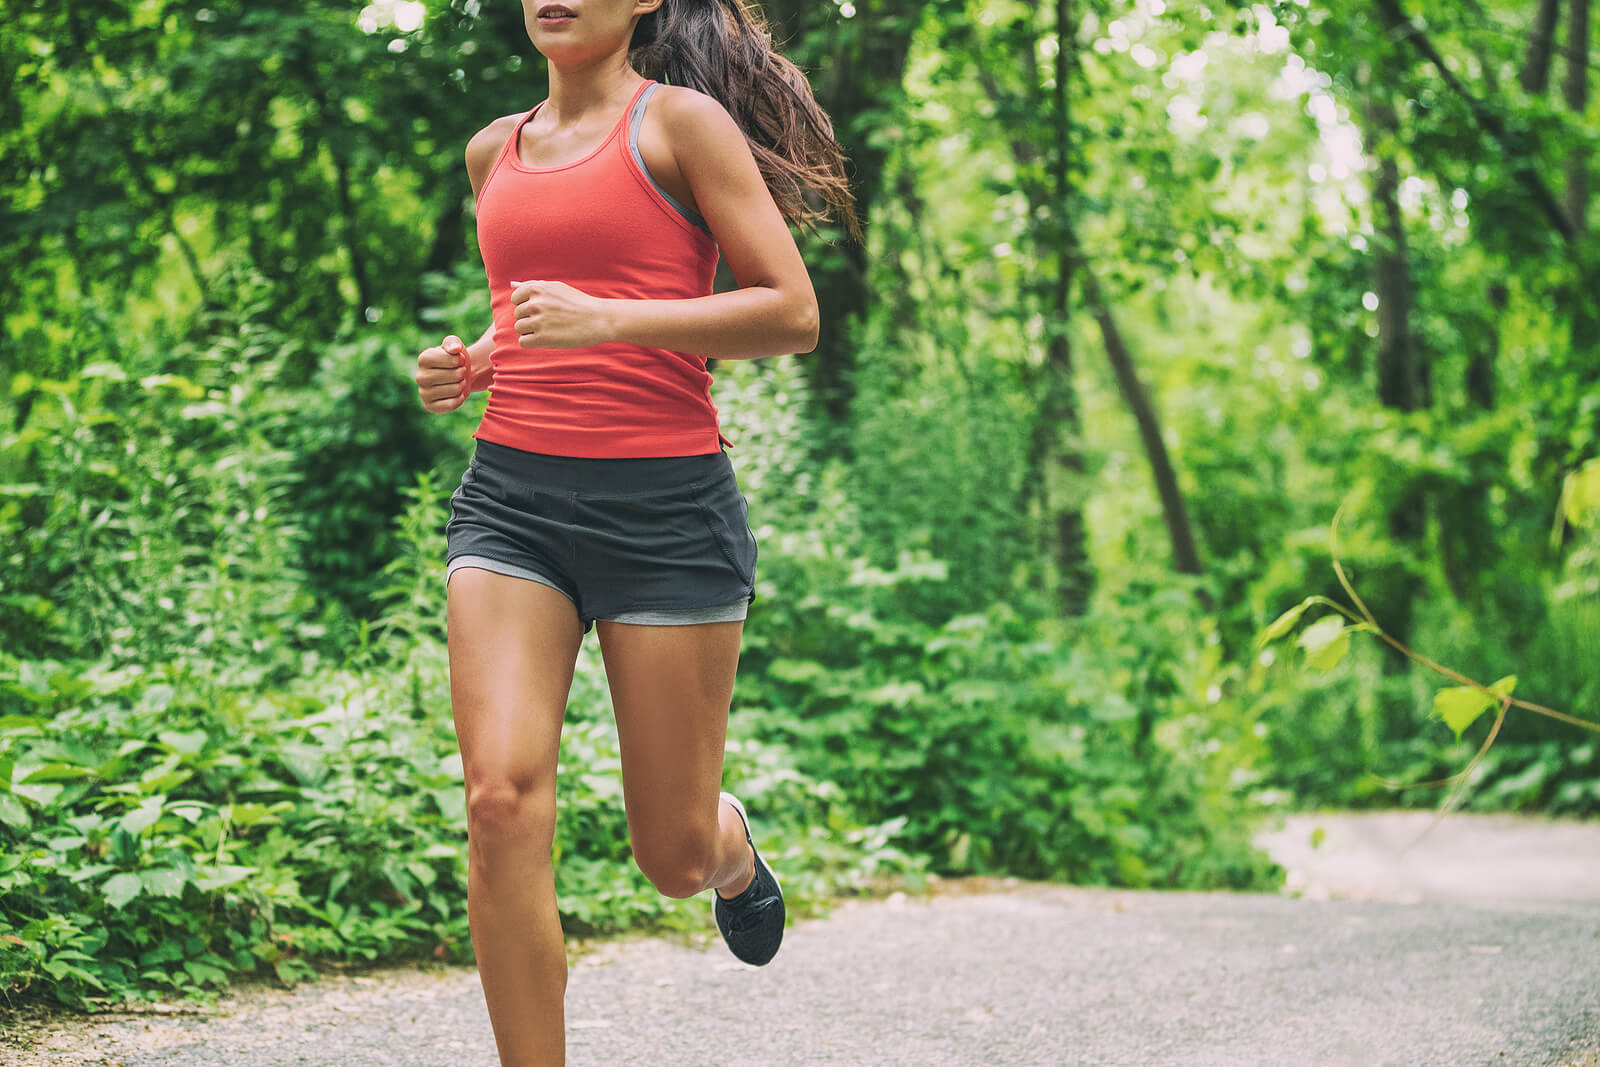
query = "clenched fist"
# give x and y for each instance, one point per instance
(444, 376)
(555, 315)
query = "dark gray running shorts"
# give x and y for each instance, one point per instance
(662, 542)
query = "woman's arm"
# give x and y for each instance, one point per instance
(774, 312)
(482, 150)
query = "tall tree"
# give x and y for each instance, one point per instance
(858, 69)
(1036, 112)
(1535, 75)
(1575, 91)
(1042, 138)
(1402, 374)
(1174, 513)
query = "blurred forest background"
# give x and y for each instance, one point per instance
(1150, 290)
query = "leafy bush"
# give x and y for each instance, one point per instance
(996, 740)
(199, 779)
(167, 826)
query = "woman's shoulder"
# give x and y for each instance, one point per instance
(484, 147)
(692, 118)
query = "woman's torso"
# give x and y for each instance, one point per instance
(604, 226)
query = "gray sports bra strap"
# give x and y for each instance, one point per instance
(635, 120)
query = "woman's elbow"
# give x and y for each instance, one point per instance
(806, 327)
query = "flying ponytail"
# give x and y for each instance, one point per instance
(723, 48)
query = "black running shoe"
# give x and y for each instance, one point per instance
(752, 922)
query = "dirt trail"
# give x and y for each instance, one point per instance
(1478, 943)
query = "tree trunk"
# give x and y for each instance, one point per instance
(1575, 91)
(1056, 444)
(1400, 383)
(1585, 329)
(1541, 43)
(1074, 573)
(1480, 372)
(861, 77)
(1400, 378)
(1185, 556)
(352, 233)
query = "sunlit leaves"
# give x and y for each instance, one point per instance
(119, 889)
(1580, 498)
(1283, 623)
(1325, 641)
(1460, 706)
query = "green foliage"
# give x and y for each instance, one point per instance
(146, 509)
(995, 740)
(1460, 706)
(1580, 494)
(168, 824)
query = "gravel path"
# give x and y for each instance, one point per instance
(1480, 944)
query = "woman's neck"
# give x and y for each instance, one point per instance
(603, 85)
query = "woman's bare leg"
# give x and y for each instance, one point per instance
(513, 644)
(671, 687)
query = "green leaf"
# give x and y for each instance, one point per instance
(1326, 658)
(164, 881)
(1325, 641)
(251, 814)
(1459, 706)
(12, 813)
(165, 781)
(287, 972)
(43, 794)
(797, 671)
(56, 772)
(307, 763)
(222, 875)
(144, 816)
(204, 973)
(1283, 623)
(186, 743)
(121, 888)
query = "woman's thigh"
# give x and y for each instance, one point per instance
(513, 645)
(671, 687)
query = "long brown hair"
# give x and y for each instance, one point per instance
(723, 48)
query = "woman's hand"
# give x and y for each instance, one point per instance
(555, 315)
(444, 376)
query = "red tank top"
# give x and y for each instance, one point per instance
(604, 226)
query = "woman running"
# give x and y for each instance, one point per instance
(598, 491)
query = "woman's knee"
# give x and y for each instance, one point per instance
(511, 807)
(680, 865)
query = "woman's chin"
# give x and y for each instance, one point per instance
(558, 46)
